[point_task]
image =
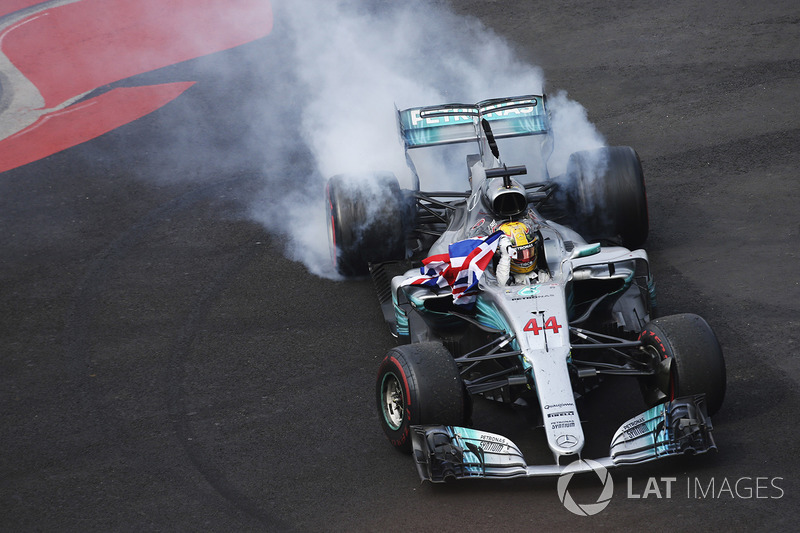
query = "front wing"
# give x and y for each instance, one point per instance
(444, 453)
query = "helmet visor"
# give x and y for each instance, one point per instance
(524, 255)
(524, 259)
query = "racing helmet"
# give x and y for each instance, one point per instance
(524, 241)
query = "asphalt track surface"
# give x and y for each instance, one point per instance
(164, 367)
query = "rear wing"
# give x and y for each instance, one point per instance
(456, 123)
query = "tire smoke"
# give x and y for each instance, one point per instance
(351, 62)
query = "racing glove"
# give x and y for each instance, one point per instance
(504, 265)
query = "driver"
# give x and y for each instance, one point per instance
(518, 251)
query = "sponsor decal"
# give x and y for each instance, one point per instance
(534, 297)
(478, 224)
(492, 443)
(567, 441)
(529, 291)
(455, 116)
(635, 428)
(492, 446)
(557, 405)
(638, 421)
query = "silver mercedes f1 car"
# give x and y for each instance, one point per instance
(520, 287)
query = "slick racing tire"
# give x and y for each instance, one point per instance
(605, 197)
(367, 221)
(688, 360)
(419, 384)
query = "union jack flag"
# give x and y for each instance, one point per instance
(460, 269)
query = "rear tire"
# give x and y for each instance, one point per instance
(696, 367)
(605, 196)
(368, 220)
(419, 384)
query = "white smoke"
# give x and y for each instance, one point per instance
(572, 131)
(350, 63)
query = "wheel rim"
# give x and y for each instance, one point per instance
(393, 401)
(666, 382)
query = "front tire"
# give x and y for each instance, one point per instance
(419, 384)
(689, 360)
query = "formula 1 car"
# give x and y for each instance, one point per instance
(546, 336)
